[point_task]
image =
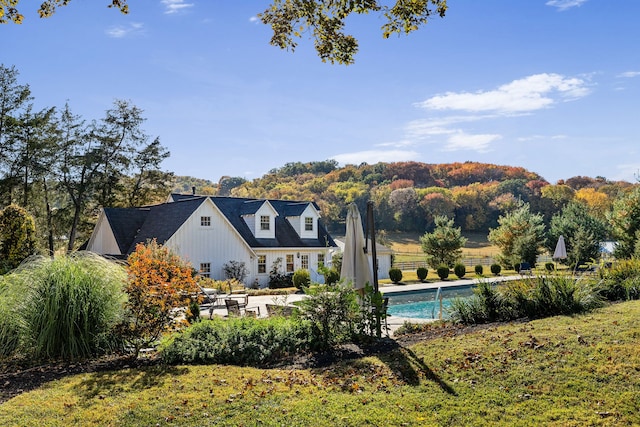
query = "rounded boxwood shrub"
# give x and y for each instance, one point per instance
(496, 269)
(301, 278)
(395, 274)
(422, 273)
(549, 266)
(443, 272)
(479, 270)
(331, 276)
(460, 270)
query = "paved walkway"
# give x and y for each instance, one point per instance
(394, 322)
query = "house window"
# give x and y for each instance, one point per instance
(205, 221)
(304, 261)
(289, 263)
(205, 269)
(262, 264)
(265, 224)
(320, 260)
(308, 223)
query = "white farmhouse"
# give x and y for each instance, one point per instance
(209, 231)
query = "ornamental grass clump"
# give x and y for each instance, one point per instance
(531, 298)
(62, 308)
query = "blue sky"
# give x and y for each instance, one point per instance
(549, 85)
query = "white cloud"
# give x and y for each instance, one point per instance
(121, 31)
(254, 19)
(540, 138)
(520, 96)
(375, 156)
(629, 74)
(463, 141)
(565, 4)
(175, 6)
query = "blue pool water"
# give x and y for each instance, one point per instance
(422, 304)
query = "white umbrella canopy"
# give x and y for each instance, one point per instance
(355, 263)
(561, 249)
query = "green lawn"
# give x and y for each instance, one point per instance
(565, 371)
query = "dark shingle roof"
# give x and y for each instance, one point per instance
(125, 223)
(165, 219)
(137, 225)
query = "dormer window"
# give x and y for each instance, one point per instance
(205, 221)
(308, 223)
(265, 222)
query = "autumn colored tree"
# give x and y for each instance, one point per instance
(598, 203)
(17, 237)
(159, 281)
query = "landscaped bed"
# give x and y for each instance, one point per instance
(566, 370)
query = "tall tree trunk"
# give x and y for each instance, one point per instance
(50, 234)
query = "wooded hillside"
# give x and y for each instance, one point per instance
(408, 195)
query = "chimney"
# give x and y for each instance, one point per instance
(193, 190)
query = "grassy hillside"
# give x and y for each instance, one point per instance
(565, 371)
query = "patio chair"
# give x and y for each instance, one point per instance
(209, 299)
(524, 268)
(234, 308)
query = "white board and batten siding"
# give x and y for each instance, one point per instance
(102, 240)
(216, 244)
(273, 254)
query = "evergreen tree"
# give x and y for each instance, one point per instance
(582, 233)
(444, 244)
(519, 235)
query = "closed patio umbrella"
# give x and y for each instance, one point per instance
(355, 264)
(561, 250)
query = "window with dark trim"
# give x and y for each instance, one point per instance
(320, 260)
(205, 269)
(289, 265)
(205, 221)
(262, 264)
(265, 222)
(308, 223)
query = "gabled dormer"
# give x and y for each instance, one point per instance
(303, 217)
(260, 217)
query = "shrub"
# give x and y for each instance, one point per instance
(236, 270)
(333, 312)
(479, 269)
(549, 266)
(157, 284)
(331, 276)
(422, 273)
(301, 278)
(17, 237)
(495, 269)
(65, 307)
(277, 279)
(395, 274)
(460, 270)
(443, 272)
(238, 341)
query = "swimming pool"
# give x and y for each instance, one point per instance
(422, 304)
